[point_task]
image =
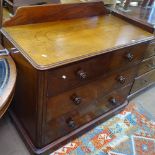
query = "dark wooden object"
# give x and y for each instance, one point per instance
(46, 13)
(146, 72)
(144, 18)
(12, 5)
(144, 81)
(46, 124)
(49, 109)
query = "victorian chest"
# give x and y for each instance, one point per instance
(71, 74)
(146, 72)
(144, 17)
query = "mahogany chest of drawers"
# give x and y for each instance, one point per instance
(145, 77)
(72, 97)
(146, 71)
(71, 74)
(143, 17)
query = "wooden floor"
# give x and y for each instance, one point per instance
(11, 143)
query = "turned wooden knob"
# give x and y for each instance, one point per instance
(129, 56)
(76, 99)
(70, 123)
(82, 74)
(113, 101)
(121, 79)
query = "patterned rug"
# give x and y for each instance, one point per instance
(131, 132)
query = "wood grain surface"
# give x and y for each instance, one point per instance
(52, 44)
(143, 81)
(146, 65)
(13, 5)
(88, 93)
(55, 12)
(43, 55)
(150, 50)
(84, 114)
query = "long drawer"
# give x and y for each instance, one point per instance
(81, 96)
(77, 74)
(76, 118)
(146, 65)
(143, 81)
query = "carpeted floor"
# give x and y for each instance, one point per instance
(132, 132)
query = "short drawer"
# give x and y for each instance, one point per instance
(77, 74)
(143, 81)
(81, 96)
(150, 50)
(76, 118)
(127, 56)
(146, 65)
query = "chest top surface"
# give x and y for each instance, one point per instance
(51, 44)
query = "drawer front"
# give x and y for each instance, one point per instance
(143, 81)
(70, 121)
(76, 74)
(146, 65)
(71, 100)
(150, 50)
(128, 56)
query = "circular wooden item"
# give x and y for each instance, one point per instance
(7, 81)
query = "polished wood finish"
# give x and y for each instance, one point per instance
(83, 114)
(150, 50)
(146, 65)
(58, 43)
(32, 92)
(12, 5)
(145, 76)
(72, 64)
(64, 140)
(145, 18)
(48, 13)
(127, 56)
(143, 81)
(88, 93)
(67, 77)
(31, 89)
